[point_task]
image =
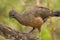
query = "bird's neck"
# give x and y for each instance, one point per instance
(18, 17)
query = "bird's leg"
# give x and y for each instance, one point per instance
(32, 30)
(39, 29)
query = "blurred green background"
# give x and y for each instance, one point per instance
(20, 6)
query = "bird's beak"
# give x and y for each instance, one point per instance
(10, 17)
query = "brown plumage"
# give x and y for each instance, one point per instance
(34, 16)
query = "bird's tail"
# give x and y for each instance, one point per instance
(56, 13)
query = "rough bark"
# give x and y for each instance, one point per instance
(12, 34)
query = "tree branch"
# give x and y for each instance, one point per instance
(12, 34)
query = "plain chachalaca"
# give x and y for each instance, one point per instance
(34, 16)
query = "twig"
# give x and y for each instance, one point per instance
(53, 36)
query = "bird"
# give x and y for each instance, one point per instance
(33, 16)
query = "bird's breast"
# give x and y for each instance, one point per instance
(36, 22)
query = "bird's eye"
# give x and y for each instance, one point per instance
(11, 14)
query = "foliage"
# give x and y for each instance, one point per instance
(19, 6)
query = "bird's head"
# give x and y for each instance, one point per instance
(12, 13)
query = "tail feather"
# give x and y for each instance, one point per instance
(56, 13)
